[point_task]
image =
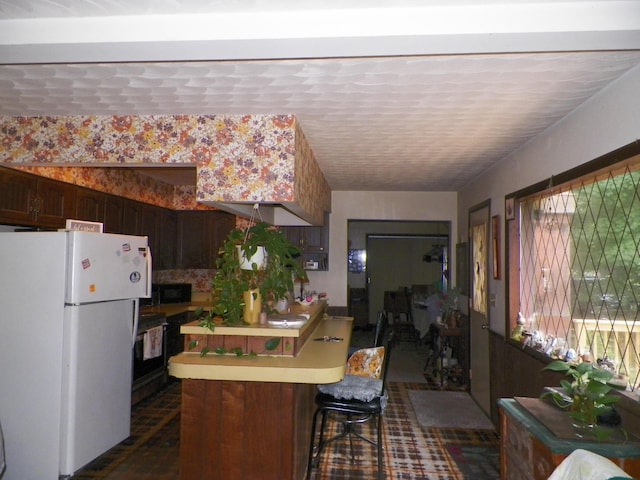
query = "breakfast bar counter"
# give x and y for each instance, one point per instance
(249, 416)
(317, 361)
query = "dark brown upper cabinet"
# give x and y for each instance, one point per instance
(30, 200)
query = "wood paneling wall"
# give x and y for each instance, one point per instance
(245, 430)
(517, 372)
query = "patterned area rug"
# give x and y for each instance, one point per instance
(476, 461)
(448, 409)
(410, 450)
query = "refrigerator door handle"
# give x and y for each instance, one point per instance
(149, 272)
(136, 317)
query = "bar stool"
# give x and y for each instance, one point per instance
(361, 396)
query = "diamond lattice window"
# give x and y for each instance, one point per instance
(580, 269)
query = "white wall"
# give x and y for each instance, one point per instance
(606, 122)
(441, 206)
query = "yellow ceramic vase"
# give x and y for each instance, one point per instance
(252, 306)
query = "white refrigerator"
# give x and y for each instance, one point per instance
(68, 318)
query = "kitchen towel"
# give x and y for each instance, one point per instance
(153, 342)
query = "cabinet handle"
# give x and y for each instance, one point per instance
(36, 205)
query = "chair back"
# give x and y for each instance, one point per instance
(389, 302)
(402, 300)
(398, 304)
(382, 322)
(387, 358)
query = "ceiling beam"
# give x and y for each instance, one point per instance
(448, 28)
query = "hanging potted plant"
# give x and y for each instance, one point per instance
(256, 268)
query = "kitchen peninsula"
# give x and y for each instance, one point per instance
(249, 416)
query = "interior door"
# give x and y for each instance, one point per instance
(479, 305)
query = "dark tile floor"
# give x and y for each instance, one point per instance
(151, 452)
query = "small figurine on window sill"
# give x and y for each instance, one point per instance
(518, 331)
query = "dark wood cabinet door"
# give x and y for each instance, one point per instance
(314, 239)
(167, 254)
(193, 239)
(309, 239)
(150, 225)
(131, 213)
(200, 235)
(27, 199)
(113, 214)
(17, 193)
(54, 203)
(222, 224)
(90, 205)
(295, 235)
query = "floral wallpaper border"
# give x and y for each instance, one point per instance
(249, 157)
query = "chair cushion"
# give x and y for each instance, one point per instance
(366, 362)
(329, 402)
(355, 387)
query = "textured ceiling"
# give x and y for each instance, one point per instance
(402, 123)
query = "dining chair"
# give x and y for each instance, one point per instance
(360, 397)
(397, 304)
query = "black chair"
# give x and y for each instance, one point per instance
(382, 322)
(351, 412)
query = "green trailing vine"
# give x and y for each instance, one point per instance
(274, 281)
(586, 396)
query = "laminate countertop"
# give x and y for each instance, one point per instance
(318, 361)
(170, 309)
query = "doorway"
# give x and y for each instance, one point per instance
(400, 261)
(391, 254)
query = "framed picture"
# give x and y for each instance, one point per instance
(495, 243)
(357, 261)
(509, 211)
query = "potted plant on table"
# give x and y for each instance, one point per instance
(268, 278)
(586, 395)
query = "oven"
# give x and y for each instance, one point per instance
(150, 350)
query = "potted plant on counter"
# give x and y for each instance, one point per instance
(243, 280)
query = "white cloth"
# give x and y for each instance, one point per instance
(356, 387)
(585, 465)
(153, 343)
(425, 312)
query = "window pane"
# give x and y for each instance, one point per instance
(580, 270)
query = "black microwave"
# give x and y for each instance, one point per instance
(172, 292)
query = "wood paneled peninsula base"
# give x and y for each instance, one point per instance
(250, 417)
(529, 450)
